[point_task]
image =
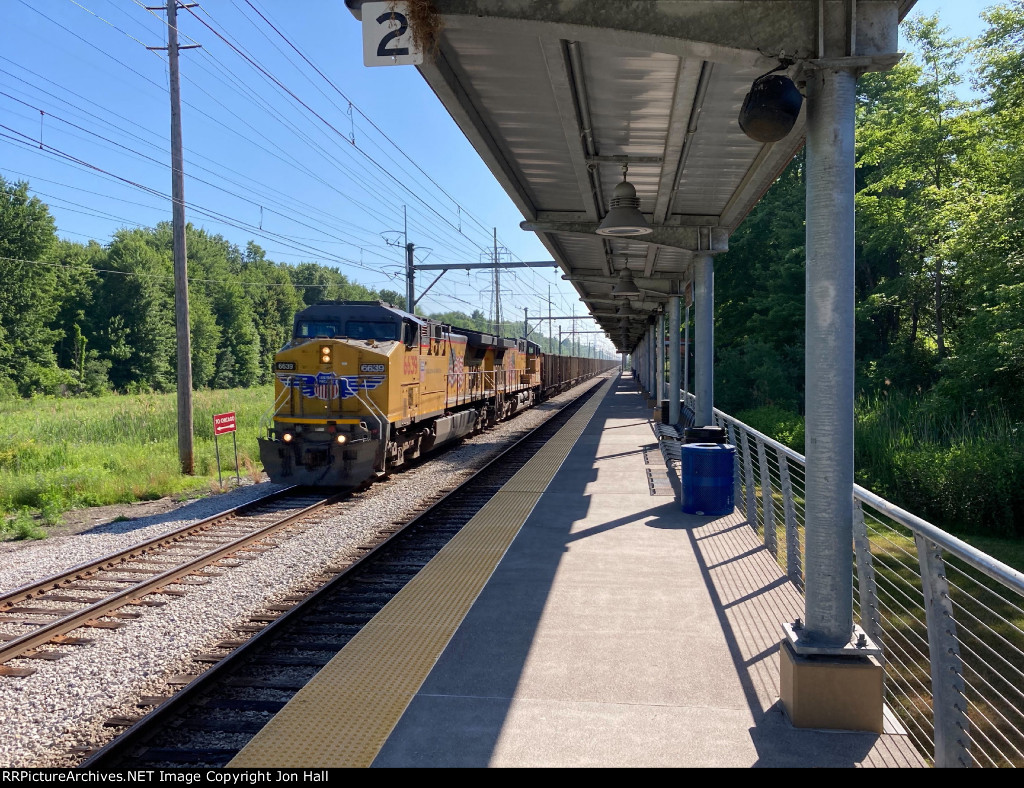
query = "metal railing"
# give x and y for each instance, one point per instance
(949, 618)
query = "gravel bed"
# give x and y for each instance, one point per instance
(65, 703)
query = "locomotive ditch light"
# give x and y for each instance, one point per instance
(341, 439)
(287, 437)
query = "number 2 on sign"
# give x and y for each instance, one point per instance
(387, 40)
(403, 26)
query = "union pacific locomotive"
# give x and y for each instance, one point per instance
(363, 387)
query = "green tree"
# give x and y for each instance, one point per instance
(915, 143)
(29, 297)
(135, 314)
(986, 366)
(759, 303)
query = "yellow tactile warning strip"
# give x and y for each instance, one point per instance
(343, 716)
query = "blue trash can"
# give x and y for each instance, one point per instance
(707, 471)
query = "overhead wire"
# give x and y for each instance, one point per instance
(415, 221)
(201, 180)
(321, 118)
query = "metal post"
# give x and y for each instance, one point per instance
(216, 450)
(659, 363)
(829, 358)
(870, 619)
(767, 503)
(949, 706)
(794, 560)
(704, 336)
(737, 472)
(551, 332)
(526, 322)
(686, 353)
(651, 359)
(750, 505)
(410, 283)
(674, 409)
(186, 454)
(497, 288)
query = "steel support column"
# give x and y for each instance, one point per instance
(651, 359)
(829, 358)
(673, 361)
(704, 338)
(659, 395)
(686, 353)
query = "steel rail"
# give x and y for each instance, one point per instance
(18, 647)
(60, 579)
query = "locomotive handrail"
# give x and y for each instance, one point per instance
(382, 421)
(267, 418)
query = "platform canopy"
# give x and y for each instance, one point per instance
(558, 96)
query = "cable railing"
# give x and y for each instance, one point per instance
(949, 618)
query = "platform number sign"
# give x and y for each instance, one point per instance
(387, 39)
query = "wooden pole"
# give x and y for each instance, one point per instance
(186, 455)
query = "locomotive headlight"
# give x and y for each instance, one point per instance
(342, 439)
(287, 437)
(325, 354)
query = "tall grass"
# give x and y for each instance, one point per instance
(963, 472)
(60, 453)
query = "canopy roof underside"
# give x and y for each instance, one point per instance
(557, 96)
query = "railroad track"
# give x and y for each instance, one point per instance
(106, 593)
(204, 718)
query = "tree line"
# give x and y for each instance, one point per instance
(88, 319)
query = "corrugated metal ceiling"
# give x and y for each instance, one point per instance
(555, 95)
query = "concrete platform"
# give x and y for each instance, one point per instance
(617, 631)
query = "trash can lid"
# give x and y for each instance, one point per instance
(707, 447)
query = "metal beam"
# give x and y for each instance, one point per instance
(676, 236)
(484, 266)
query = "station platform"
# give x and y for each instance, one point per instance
(581, 619)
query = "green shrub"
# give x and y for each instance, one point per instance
(22, 526)
(777, 423)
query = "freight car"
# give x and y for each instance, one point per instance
(364, 387)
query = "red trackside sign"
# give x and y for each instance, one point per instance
(223, 422)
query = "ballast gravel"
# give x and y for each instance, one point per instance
(65, 703)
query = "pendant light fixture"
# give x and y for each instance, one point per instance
(625, 286)
(624, 218)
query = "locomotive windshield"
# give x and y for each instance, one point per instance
(353, 329)
(366, 329)
(316, 328)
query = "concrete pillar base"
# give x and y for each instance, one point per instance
(840, 693)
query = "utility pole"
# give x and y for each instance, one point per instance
(550, 324)
(526, 322)
(410, 270)
(410, 286)
(186, 453)
(497, 288)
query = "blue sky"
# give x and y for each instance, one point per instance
(268, 158)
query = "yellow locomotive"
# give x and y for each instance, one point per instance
(363, 387)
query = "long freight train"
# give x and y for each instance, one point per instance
(364, 387)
